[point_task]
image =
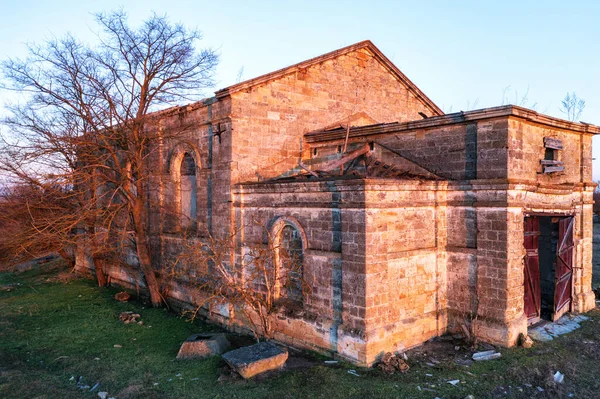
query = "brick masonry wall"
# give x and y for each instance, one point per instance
(526, 149)
(405, 264)
(390, 288)
(331, 217)
(463, 151)
(269, 120)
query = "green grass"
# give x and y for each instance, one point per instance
(51, 331)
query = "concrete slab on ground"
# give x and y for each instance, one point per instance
(547, 331)
(256, 359)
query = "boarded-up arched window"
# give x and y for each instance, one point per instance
(188, 191)
(291, 263)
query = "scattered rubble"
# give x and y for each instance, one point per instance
(200, 346)
(486, 355)
(559, 377)
(130, 317)
(123, 296)
(80, 383)
(256, 359)
(391, 363)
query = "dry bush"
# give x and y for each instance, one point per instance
(267, 278)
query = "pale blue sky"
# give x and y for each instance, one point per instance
(460, 53)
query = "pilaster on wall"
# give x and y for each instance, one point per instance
(583, 296)
(500, 316)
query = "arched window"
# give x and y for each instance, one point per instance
(187, 191)
(183, 166)
(291, 263)
(290, 242)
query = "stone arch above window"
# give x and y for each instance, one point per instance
(177, 153)
(290, 243)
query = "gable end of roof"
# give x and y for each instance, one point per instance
(366, 44)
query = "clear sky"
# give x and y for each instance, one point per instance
(462, 54)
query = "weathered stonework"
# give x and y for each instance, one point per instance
(391, 259)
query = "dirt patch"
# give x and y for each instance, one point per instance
(444, 349)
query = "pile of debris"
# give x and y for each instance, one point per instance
(130, 318)
(391, 363)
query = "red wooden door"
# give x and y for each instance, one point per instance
(532, 269)
(564, 268)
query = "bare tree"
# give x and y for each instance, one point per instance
(25, 233)
(572, 106)
(520, 100)
(88, 122)
(240, 75)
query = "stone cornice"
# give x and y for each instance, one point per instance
(450, 119)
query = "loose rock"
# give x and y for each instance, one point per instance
(123, 296)
(200, 346)
(525, 341)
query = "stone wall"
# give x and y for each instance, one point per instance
(270, 119)
(405, 269)
(333, 267)
(374, 260)
(459, 151)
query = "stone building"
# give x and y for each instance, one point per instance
(409, 221)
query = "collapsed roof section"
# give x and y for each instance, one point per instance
(366, 160)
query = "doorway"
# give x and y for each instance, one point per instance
(548, 266)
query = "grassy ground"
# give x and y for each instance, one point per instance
(52, 330)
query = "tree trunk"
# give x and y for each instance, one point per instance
(67, 257)
(143, 253)
(100, 266)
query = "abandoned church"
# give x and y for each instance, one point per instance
(408, 221)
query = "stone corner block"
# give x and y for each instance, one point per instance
(256, 359)
(203, 345)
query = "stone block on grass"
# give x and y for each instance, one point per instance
(201, 346)
(256, 359)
